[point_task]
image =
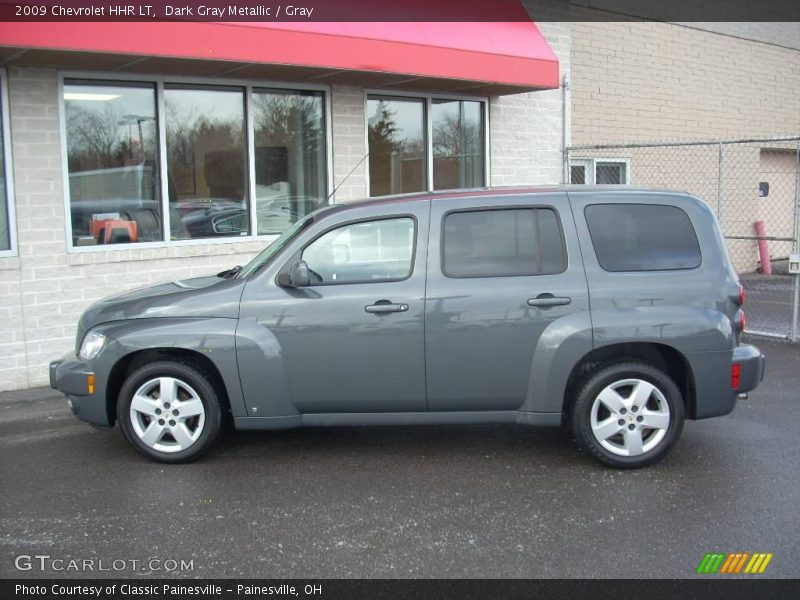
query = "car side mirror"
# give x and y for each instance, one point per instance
(297, 276)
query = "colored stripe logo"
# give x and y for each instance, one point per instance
(734, 563)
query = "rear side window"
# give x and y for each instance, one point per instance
(642, 237)
(503, 243)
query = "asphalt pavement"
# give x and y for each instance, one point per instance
(456, 501)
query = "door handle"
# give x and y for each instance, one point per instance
(384, 307)
(548, 300)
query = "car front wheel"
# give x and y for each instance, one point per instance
(169, 411)
(628, 415)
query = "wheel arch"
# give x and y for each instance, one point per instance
(661, 356)
(128, 363)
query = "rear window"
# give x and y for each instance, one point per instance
(503, 243)
(642, 237)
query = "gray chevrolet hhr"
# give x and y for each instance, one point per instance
(615, 310)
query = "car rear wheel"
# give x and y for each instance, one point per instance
(169, 411)
(628, 415)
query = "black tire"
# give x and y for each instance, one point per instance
(188, 374)
(609, 374)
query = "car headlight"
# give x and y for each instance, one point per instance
(93, 342)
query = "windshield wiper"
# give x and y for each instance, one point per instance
(230, 273)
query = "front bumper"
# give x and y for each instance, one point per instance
(70, 376)
(751, 363)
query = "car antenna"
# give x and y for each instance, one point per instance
(341, 183)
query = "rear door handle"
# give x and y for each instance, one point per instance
(382, 306)
(548, 300)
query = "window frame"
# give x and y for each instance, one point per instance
(590, 165)
(298, 255)
(160, 81)
(504, 207)
(428, 98)
(8, 168)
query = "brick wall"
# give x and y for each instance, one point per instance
(44, 289)
(655, 81)
(526, 129)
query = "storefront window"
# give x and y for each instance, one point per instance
(458, 144)
(112, 161)
(5, 221)
(397, 145)
(289, 134)
(206, 162)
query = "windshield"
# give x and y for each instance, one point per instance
(265, 256)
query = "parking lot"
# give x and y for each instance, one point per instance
(483, 501)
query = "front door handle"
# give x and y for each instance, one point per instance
(548, 300)
(385, 306)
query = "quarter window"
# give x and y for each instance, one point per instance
(363, 252)
(642, 237)
(504, 242)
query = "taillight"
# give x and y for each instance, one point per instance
(736, 373)
(742, 295)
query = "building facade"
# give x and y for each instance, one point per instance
(124, 167)
(123, 170)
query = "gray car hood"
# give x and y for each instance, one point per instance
(196, 297)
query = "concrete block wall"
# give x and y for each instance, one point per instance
(526, 130)
(350, 143)
(637, 81)
(45, 289)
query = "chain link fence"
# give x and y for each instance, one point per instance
(753, 186)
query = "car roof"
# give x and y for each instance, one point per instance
(498, 191)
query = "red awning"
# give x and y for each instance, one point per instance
(500, 57)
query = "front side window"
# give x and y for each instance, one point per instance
(206, 161)
(363, 252)
(397, 146)
(458, 144)
(112, 162)
(503, 243)
(642, 237)
(289, 157)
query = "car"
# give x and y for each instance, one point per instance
(612, 310)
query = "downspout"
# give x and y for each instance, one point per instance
(564, 130)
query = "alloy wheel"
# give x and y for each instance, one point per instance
(167, 414)
(630, 417)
